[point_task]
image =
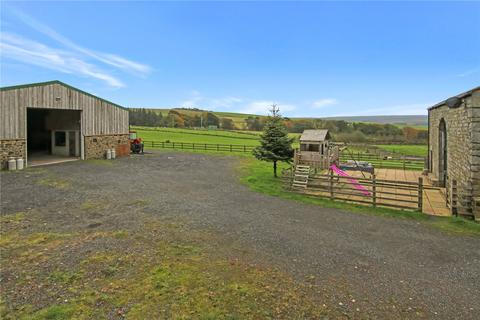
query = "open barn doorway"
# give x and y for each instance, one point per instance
(53, 136)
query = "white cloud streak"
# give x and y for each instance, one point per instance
(409, 109)
(35, 53)
(69, 58)
(107, 58)
(322, 103)
(262, 107)
(233, 104)
(469, 72)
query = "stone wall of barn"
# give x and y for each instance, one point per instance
(463, 150)
(11, 148)
(96, 146)
(475, 123)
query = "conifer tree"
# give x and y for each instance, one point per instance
(275, 145)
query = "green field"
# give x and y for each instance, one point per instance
(407, 149)
(247, 138)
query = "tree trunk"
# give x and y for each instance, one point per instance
(275, 169)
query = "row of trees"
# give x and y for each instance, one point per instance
(340, 130)
(176, 119)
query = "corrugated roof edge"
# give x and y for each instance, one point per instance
(60, 83)
(461, 95)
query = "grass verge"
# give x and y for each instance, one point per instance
(258, 176)
(163, 272)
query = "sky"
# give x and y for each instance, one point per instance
(313, 59)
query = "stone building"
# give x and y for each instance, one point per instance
(47, 120)
(454, 151)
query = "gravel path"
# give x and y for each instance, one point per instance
(365, 266)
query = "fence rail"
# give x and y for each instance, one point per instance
(198, 146)
(406, 163)
(377, 192)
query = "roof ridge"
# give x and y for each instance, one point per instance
(45, 83)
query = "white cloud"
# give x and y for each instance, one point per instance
(107, 58)
(404, 109)
(321, 103)
(262, 107)
(69, 57)
(35, 53)
(469, 72)
(194, 101)
(226, 102)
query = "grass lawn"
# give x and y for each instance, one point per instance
(163, 272)
(258, 176)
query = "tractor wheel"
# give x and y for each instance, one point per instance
(136, 148)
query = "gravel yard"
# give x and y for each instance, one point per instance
(353, 265)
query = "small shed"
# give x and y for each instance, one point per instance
(315, 149)
(315, 141)
(51, 121)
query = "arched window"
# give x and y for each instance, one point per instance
(442, 152)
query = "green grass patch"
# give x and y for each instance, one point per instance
(56, 183)
(64, 277)
(13, 217)
(258, 176)
(165, 273)
(405, 149)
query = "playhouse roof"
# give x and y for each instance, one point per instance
(315, 135)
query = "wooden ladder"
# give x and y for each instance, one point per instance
(300, 177)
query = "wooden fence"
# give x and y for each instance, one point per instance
(378, 192)
(405, 163)
(198, 146)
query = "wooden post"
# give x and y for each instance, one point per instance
(420, 194)
(181, 145)
(205, 146)
(230, 148)
(217, 147)
(332, 197)
(454, 198)
(173, 147)
(374, 191)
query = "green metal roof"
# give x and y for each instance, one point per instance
(37, 84)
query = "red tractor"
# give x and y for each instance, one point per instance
(136, 144)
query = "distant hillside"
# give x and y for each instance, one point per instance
(416, 121)
(374, 129)
(412, 120)
(239, 118)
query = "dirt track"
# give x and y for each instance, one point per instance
(365, 266)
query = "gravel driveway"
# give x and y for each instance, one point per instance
(364, 266)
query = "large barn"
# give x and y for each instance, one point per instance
(454, 151)
(51, 121)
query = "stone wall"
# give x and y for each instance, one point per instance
(11, 148)
(463, 147)
(475, 123)
(96, 146)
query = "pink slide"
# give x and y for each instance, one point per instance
(355, 183)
